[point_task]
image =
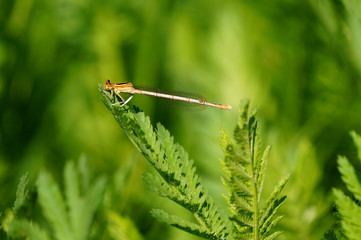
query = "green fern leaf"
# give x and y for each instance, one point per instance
(81, 206)
(350, 215)
(244, 165)
(349, 177)
(349, 208)
(68, 218)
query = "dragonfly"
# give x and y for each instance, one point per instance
(129, 88)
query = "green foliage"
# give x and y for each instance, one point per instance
(245, 166)
(178, 181)
(68, 218)
(299, 60)
(349, 207)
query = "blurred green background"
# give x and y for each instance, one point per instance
(299, 61)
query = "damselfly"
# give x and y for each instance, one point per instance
(129, 88)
